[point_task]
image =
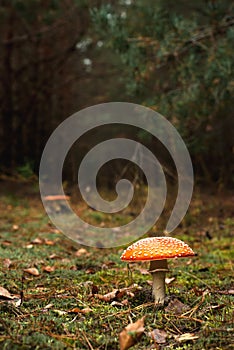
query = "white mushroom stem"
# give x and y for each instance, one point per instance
(158, 269)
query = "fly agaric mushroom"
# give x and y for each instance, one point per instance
(157, 250)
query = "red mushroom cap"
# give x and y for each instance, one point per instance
(156, 248)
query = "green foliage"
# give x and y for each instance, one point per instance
(26, 170)
(180, 61)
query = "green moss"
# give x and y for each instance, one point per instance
(45, 321)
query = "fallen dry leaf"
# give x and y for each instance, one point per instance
(131, 334)
(176, 307)
(169, 280)
(48, 268)
(158, 335)
(29, 246)
(54, 256)
(77, 310)
(7, 263)
(5, 294)
(32, 271)
(86, 310)
(6, 243)
(49, 242)
(37, 241)
(82, 252)
(106, 297)
(117, 294)
(185, 337)
(124, 302)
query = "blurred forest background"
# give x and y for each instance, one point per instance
(57, 57)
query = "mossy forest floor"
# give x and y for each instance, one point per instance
(58, 288)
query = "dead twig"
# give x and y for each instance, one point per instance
(87, 340)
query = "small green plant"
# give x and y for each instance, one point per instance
(26, 170)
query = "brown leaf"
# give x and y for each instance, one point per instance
(131, 334)
(7, 263)
(158, 335)
(118, 303)
(54, 256)
(49, 242)
(176, 307)
(82, 252)
(5, 294)
(37, 241)
(32, 271)
(107, 297)
(6, 243)
(117, 294)
(86, 310)
(6, 297)
(48, 268)
(77, 310)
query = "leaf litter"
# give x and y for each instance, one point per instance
(87, 302)
(131, 334)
